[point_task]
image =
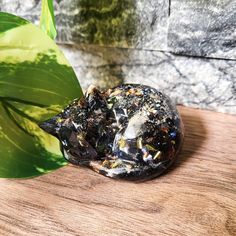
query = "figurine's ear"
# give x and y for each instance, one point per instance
(95, 98)
(92, 90)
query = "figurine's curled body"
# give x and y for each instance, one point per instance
(131, 131)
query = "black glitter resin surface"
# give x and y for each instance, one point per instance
(131, 131)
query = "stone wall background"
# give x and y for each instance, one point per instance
(186, 48)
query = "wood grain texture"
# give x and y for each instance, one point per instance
(196, 197)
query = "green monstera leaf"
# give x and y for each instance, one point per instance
(36, 82)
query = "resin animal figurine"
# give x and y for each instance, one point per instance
(131, 131)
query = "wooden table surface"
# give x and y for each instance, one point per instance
(196, 197)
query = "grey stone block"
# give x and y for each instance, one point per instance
(203, 28)
(126, 23)
(195, 82)
(118, 23)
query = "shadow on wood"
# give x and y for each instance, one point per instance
(195, 135)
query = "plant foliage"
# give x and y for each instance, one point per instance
(47, 19)
(36, 82)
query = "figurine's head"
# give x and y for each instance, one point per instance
(70, 127)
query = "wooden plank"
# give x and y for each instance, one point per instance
(196, 197)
